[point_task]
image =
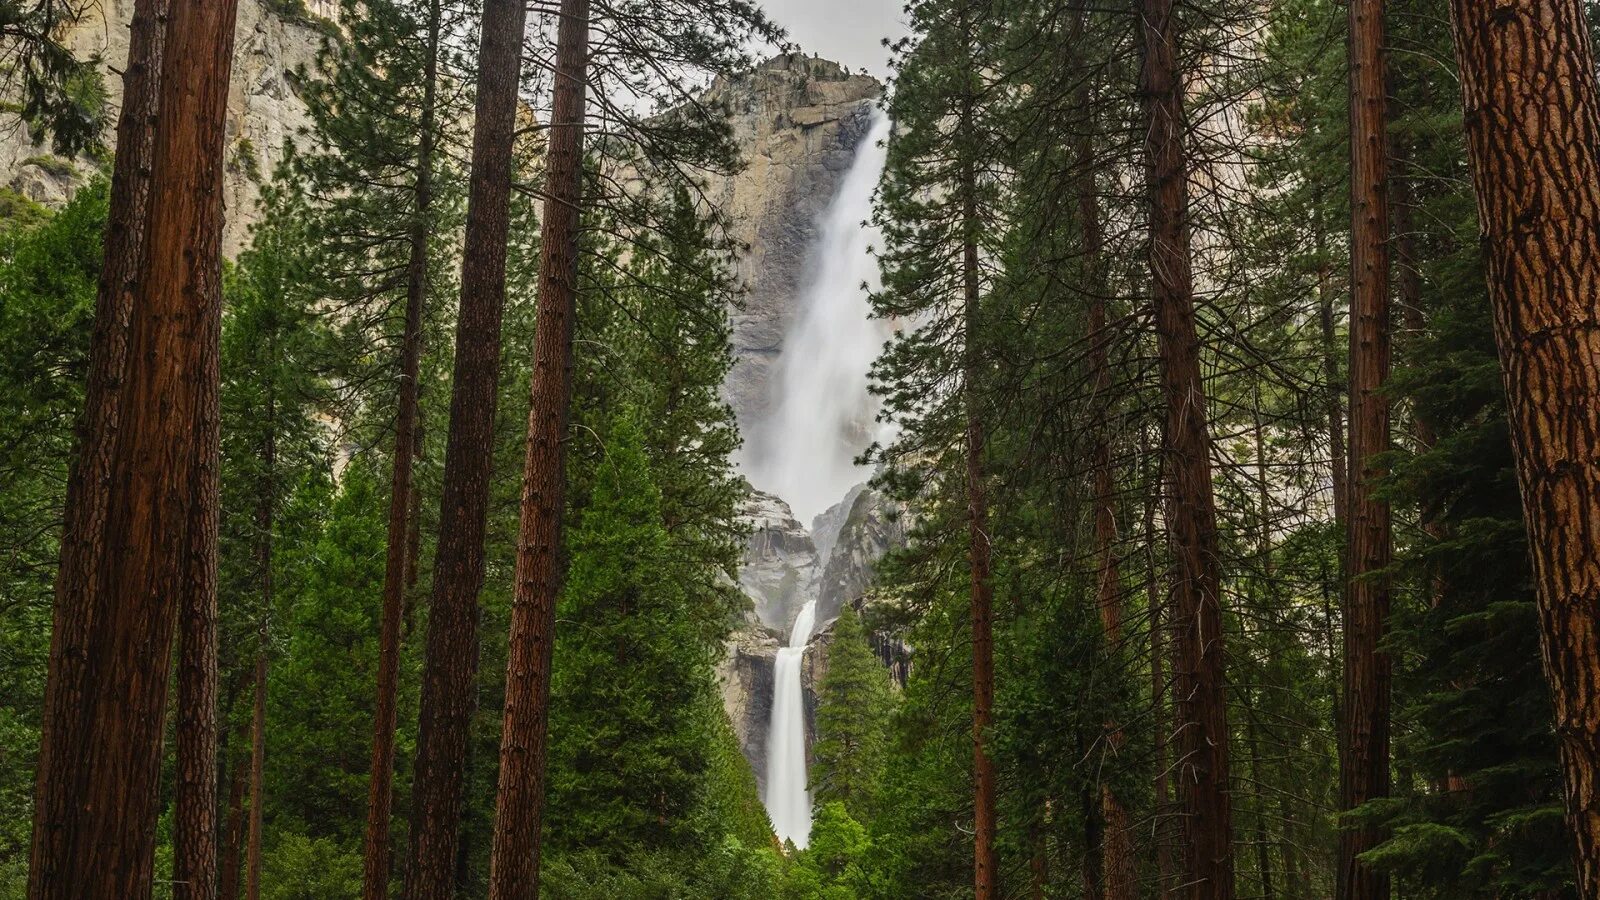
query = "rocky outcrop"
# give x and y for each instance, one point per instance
(797, 121)
(873, 526)
(273, 39)
(745, 680)
(779, 569)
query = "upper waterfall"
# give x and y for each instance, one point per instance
(820, 413)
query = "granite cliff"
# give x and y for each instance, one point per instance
(273, 39)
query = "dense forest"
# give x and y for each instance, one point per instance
(1236, 420)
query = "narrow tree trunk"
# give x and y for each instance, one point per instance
(1533, 140)
(258, 761)
(1158, 678)
(1292, 879)
(1334, 408)
(519, 805)
(1120, 877)
(1263, 835)
(1364, 764)
(141, 505)
(1094, 876)
(1191, 505)
(451, 669)
(985, 878)
(380, 787)
(1039, 858)
(233, 841)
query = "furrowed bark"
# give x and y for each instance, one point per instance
(76, 606)
(1191, 506)
(1364, 759)
(1533, 143)
(451, 668)
(233, 846)
(519, 808)
(142, 506)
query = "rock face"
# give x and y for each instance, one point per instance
(779, 570)
(273, 39)
(745, 679)
(779, 573)
(797, 121)
(872, 527)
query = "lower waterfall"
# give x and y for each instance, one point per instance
(788, 795)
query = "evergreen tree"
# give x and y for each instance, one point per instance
(629, 753)
(853, 708)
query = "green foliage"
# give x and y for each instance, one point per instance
(297, 867)
(48, 274)
(628, 752)
(62, 97)
(853, 708)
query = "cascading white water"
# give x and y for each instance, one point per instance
(821, 411)
(788, 797)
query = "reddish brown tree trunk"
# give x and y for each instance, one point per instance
(258, 760)
(380, 787)
(1364, 763)
(76, 607)
(142, 506)
(1158, 679)
(452, 656)
(194, 827)
(233, 845)
(519, 806)
(1191, 505)
(1533, 141)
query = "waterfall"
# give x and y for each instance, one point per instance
(788, 797)
(822, 415)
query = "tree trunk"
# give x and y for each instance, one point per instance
(451, 669)
(233, 845)
(1533, 140)
(380, 793)
(1120, 878)
(141, 509)
(1191, 506)
(194, 826)
(1094, 876)
(1364, 763)
(519, 805)
(1158, 678)
(258, 760)
(985, 878)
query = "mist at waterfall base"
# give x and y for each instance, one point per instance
(788, 797)
(821, 414)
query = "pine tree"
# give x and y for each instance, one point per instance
(853, 706)
(629, 759)
(1528, 71)
(95, 817)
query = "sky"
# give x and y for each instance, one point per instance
(846, 31)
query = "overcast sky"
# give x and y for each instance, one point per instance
(845, 31)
